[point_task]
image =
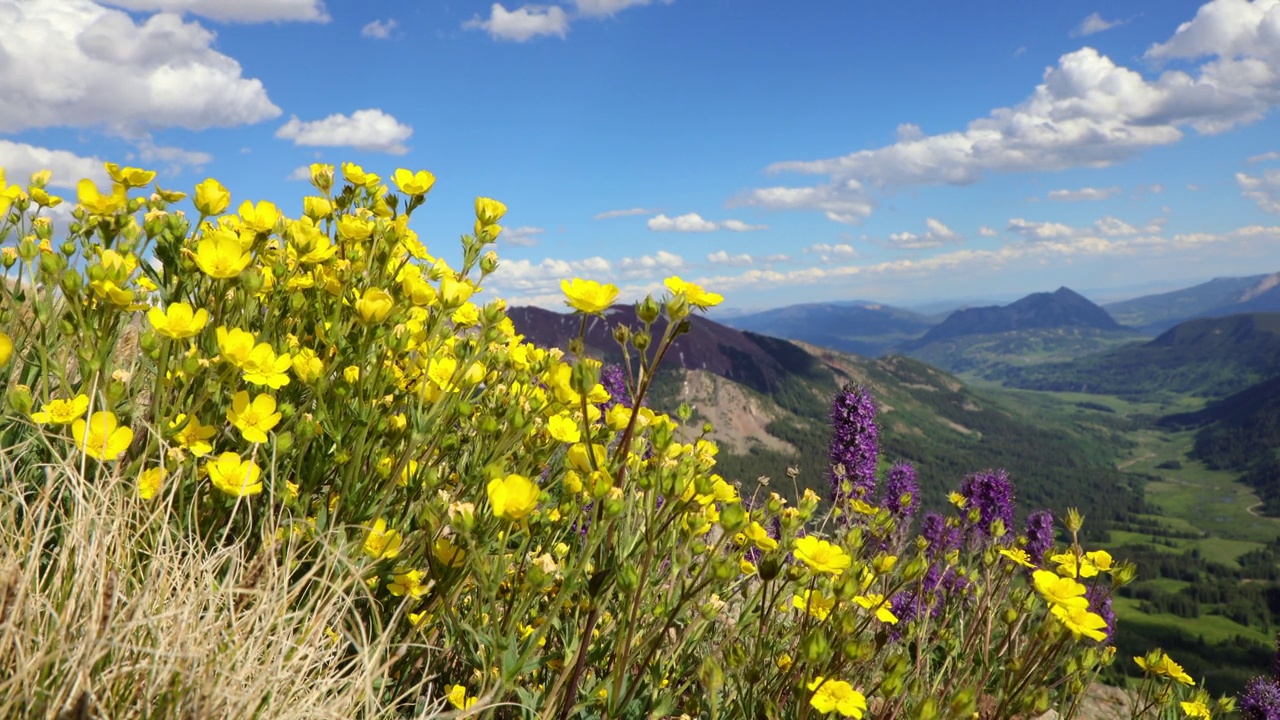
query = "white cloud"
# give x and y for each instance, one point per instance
(693, 222)
(523, 23)
(525, 236)
(379, 29)
(1096, 24)
(244, 11)
(827, 252)
(1265, 157)
(75, 63)
(20, 160)
(1086, 112)
(1263, 189)
(843, 202)
(1087, 193)
(372, 130)
(647, 265)
(173, 159)
(722, 257)
(1038, 231)
(936, 235)
(985, 231)
(1111, 226)
(610, 214)
(598, 8)
(302, 173)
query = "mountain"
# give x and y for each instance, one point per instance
(1064, 308)
(1040, 328)
(769, 399)
(859, 327)
(1217, 298)
(1208, 357)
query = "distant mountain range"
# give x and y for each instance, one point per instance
(1219, 297)
(1063, 308)
(862, 328)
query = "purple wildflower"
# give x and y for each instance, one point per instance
(1260, 700)
(901, 486)
(1100, 604)
(854, 444)
(614, 381)
(1039, 535)
(942, 538)
(992, 494)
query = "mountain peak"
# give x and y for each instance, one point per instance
(1063, 308)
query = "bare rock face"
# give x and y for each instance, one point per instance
(1100, 702)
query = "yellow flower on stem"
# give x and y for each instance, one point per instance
(101, 437)
(260, 218)
(192, 435)
(588, 296)
(1195, 709)
(879, 605)
(693, 293)
(381, 543)
(353, 228)
(211, 197)
(454, 292)
(253, 419)
(513, 497)
(1058, 590)
(233, 476)
(62, 412)
(308, 244)
(457, 696)
(307, 365)
(222, 256)
(408, 583)
(1159, 663)
(1019, 556)
(6, 345)
(97, 203)
(178, 321)
(149, 483)
(374, 305)
(489, 211)
(837, 696)
(322, 176)
(411, 183)
(264, 367)
(1081, 622)
(822, 556)
(130, 176)
(316, 208)
(447, 552)
(235, 345)
(564, 428)
(814, 603)
(352, 172)
(759, 537)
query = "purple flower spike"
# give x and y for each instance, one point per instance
(1039, 535)
(854, 444)
(1260, 700)
(615, 383)
(1100, 604)
(942, 539)
(992, 493)
(900, 486)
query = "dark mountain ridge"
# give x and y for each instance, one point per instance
(1063, 308)
(1218, 297)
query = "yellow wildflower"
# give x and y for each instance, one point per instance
(260, 218)
(234, 476)
(513, 497)
(408, 583)
(447, 552)
(814, 603)
(101, 437)
(354, 228)
(62, 412)
(693, 294)
(222, 256)
(374, 305)
(193, 436)
(322, 176)
(564, 428)
(1059, 590)
(822, 556)
(352, 172)
(1195, 709)
(381, 543)
(1018, 555)
(457, 696)
(411, 183)
(454, 292)
(588, 296)
(130, 176)
(178, 321)
(1081, 622)
(235, 345)
(307, 365)
(211, 197)
(253, 419)
(6, 348)
(837, 696)
(489, 211)
(879, 605)
(149, 482)
(759, 537)
(316, 208)
(264, 367)
(97, 203)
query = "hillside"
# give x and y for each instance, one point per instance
(1210, 357)
(769, 401)
(1217, 298)
(1063, 308)
(990, 357)
(862, 328)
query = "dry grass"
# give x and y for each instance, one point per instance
(107, 612)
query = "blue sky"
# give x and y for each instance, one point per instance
(778, 152)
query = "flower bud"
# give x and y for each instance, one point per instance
(20, 400)
(27, 249)
(488, 262)
(648, 310)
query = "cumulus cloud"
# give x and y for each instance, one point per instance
(723, 257)
(1263, 189)
(173, 160)
(936, 235)
(379, 29)
(20, 160)
(523, 23)
(1095, 23)
(1087, 111)
(645, 265)
(525, 236)
(539, 282)
(372, 130)
(1087, 193)
(986, 231)
(242, 11)
(693, 222)
(301, 174)
(601, 8)
(828, 252)
(1265, 157)
(75, 63)
(610, 214)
